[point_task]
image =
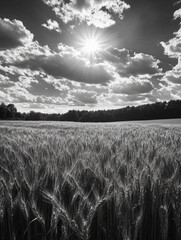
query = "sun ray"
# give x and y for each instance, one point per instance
(90, 43)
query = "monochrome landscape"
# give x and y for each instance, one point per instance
(90, 120)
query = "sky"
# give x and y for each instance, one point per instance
(59, 55)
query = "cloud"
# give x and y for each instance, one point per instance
(129, 64)
(3, 78)
(177, 14)
(13, 34)
(67, 66)
(158, 81)
(67, 63)
(31, 90)
(5, 82)
(140, 64)
(67, 78)
(172, 48)
(173, 76)
(113, 100)
(132, 86)
(43, 88)
(163, 94)
(21, 53)
(52, 25)
(36, 106)
(116, 55)
(51, 100)
(134, 98)
(19, 93)
(99, 13)
(174, 79)
(84, 97)
(76, 69)
(30, 73)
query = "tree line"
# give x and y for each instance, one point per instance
(158, 110)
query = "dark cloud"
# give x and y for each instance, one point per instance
(174, 79)
(43, 88)
(132, 87)
(84, 97)
(157, 81)
(140, 64)
(13, 34)
(81, 4)
(130, 64)
(116, 55)
(67, 66)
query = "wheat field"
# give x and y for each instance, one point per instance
(74, 181)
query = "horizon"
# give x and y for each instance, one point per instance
(96, 110)
(57, 56)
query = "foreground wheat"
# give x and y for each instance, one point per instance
(90, 182)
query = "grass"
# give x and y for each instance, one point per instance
(74, 181)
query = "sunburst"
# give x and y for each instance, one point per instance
(91, 43)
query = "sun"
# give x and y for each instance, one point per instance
(91, 46)
(90, 43)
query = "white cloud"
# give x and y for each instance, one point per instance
(52, 25)
(10, 56)
(3, 78)
(177, 14)
(89, 11)
(173, 46)
(173, 49)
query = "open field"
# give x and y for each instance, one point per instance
(50, 124)
(76, 181)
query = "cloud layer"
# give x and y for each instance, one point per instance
(36, 77)
(13, 34)
(100, 13)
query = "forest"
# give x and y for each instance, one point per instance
(158, 110)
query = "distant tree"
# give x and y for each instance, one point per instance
(72, 115)
(11, 111)
(33, 116)
(3, 111)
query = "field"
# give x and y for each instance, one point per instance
(75, 181)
